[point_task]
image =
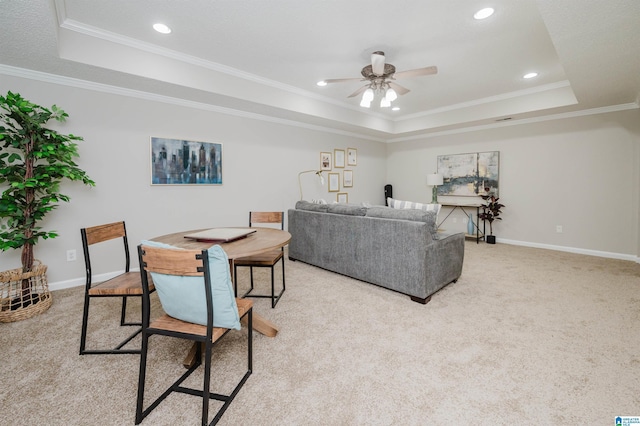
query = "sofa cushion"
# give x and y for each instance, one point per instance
(347, 209)
(399, 204)
(184, 297)
(429, 217)
(314, 207)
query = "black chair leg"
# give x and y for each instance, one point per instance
(85, 319)
(141, 378)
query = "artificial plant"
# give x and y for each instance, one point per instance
(34, 160)
(491, 209)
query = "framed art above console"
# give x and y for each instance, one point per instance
(469, 174)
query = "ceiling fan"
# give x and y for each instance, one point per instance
(380, 78)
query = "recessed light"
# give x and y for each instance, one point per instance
(161, 28)
(484, 13)
(321, 83)
(530, 75)
(395, 109)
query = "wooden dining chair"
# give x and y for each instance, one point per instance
(267, 259)
(202, 280)
(125, 285)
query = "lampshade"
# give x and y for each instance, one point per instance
(391, 95)
(385, 103)
(368, 95)
(434, 179)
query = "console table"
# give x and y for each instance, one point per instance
(479, 234)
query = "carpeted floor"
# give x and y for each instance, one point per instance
(526, 336)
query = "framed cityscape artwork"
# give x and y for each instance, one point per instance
(185, 162)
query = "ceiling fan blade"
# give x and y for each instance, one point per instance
(399, 89)
(357, 92)
(417, 72)
(341, 80)
(377, 63)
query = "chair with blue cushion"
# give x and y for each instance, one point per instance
(124, 286)
(263, 260)
(195, 291)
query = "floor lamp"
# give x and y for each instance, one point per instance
(317, 172)
(434, 180)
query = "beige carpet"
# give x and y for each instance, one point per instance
(526, 336)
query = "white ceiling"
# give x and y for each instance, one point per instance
(263, 58)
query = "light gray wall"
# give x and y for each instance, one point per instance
(581, 173)
(260, 172)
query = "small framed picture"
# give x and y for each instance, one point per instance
(342, 197)
(347, 178)
(338, 158)
(352, 157)
(325, 161)
(334, 182)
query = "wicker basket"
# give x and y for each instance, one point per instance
(38, 300)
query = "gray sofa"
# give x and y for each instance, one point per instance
(397, 249)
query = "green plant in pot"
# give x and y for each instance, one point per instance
(34, 160)
(490, 212)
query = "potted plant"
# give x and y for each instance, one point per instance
(34, 160)
(490, 212)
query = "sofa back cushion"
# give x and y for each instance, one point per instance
(428, 217)
(313, 207)
(347, 209)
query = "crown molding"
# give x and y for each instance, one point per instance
(115, 90)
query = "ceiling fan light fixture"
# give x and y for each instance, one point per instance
(530, 75)
(365, 104)
(391, 95)
(385, 103)
(368, 95)
(321, 83)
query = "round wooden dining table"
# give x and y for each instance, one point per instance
(264, 239)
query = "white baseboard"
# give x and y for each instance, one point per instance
(598, 253)
(76, 282)
(102, 277)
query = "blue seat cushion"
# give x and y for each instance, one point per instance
(184, 297)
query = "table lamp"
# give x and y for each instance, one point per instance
(434, 180)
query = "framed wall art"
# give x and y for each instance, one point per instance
(334, 182)
(342, 197)
(185, 162)
(347, 178)
(338, 157)
(352, 157)
(325, 161)
(469, 174)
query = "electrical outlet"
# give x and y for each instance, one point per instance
(559, 229)
(71, 255)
